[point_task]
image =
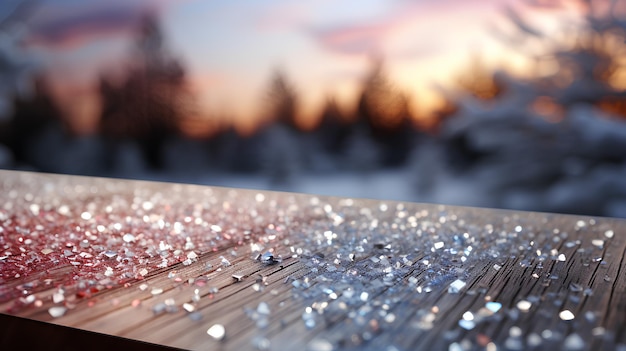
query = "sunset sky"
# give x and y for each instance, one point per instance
(231, 48)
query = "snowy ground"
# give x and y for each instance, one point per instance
(383, 185)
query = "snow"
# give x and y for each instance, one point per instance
(525, 163)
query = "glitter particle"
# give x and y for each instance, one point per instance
(534, 340)
(57, 311)
(263, 308)
(58, 297)
(493, 306)
(566, 315)
(217, 332)
(574, 342)
(456, 286)
(320, 345)
(524, 305)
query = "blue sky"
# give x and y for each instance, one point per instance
(231, 48)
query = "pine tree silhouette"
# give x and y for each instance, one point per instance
(384, 111)
(149, 103)
(282, 100)
(31, 116)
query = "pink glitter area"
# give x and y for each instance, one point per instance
(80, 236)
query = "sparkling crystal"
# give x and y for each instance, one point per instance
(58, 297)
(574, 342)
(515, 332)
(319, 344)
(575, 287)
(261, 343)
(159, 308)
(263, 308)
(455, 346)
(189, 307)
(29, 299)
(456, 286)
(217, 332)
(566, 315)
(493, 306)
(268, 258)
(524, 305)
(534, 340)
(598, 331)
(467, 324)
(57, 311)
(108, 272)
(597, 243)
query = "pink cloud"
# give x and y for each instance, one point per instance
(368, 37)
(545, 4)
(374, 36)
(72, 29)
(351, 40)
(289, 15)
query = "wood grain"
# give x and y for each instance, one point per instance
(590, 283)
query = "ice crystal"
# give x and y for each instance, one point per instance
(566, 315)
(57, 311)
(217, 332)
(456, 286)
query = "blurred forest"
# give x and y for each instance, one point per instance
(553, 141)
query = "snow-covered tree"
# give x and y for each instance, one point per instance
(546, 142)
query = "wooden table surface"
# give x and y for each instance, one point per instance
(200, 268)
